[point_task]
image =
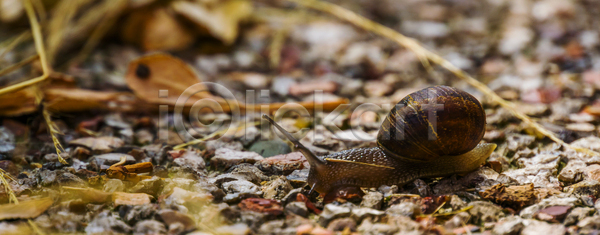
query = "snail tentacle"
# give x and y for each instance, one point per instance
(310, 156)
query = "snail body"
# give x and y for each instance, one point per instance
(433, 132)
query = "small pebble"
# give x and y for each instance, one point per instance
(225, 158)
(269, 148)
(283, 164)
(298, 208)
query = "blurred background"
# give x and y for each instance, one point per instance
(533, 51)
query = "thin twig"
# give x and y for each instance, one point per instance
(20, 64)
(197, 141)
(419, 50)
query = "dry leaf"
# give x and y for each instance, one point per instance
(131, 199)
(515, 197)
(25, 209)
(78, 100)
(129, 172)
(147, 75)
(18, 103)
(221, 20)
(156, 29)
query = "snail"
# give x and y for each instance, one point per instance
(409, 146)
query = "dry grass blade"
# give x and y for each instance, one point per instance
(276, 46)
(14, 67)
(13, 198)
(34, 227)
(39, 46)
(103, 27)
(59, 25)
(38, 5)
(197, 141)
(53, 130)
(14, 42)
(26, 209)
(214, 134)
(420, 51)
(11, 194)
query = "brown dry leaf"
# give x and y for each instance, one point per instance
(131, 199)
(18, 103)
(63, 96)
(77, 100)
(220, 18)
(156, 29)
(89, 194)
(147, 75)
(143, 167)
(164, 72)
(129, 172)
(515, 197)
(103, 144)
(25, 209)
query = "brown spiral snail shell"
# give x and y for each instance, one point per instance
(432, 132)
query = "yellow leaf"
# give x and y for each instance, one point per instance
(26, 209)
(221, 20)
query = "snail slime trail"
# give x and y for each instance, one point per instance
(405, 150)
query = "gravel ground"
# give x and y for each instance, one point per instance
(541, 55)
